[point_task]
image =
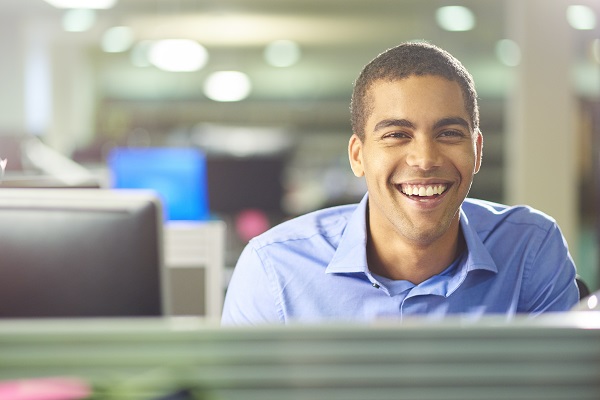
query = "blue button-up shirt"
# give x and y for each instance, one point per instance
(314, 268)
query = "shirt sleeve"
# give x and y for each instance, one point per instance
(250, 297)
(550, 283)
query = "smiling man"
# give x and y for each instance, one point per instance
(415, 245)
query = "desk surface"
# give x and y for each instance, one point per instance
(552, 357)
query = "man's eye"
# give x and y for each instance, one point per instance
(397, 135)
(452, 133)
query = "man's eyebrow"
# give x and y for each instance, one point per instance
(452, 121)
(386, 123)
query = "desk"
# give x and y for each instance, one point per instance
(552, 357)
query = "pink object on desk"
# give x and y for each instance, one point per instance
(44, 389)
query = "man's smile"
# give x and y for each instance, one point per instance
(423, 190)
(431, 193)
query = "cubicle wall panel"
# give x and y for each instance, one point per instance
(524, 360)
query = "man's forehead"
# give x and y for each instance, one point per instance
(413, 89)
(383, 93)
(395, 82)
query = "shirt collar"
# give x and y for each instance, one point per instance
(351, 254)
(479, 257)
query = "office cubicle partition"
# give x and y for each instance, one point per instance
(552, 357)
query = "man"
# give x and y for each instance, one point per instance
(413, 246)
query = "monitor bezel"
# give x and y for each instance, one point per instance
(93, 200)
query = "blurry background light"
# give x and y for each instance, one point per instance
(117, 39)
(455, 18)
(227, 86)
(508, 52)
(38, 88)
(282, 53)
(581, 17)
(595, 50)
(242, 140)
(78, 20)
(140, 53)
(178, 55)
(97, 4)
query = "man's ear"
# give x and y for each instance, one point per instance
(479, 151)
(355, 155)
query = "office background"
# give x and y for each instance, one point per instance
(86, 81)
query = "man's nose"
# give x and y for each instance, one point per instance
(424, 154)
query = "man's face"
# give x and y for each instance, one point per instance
(419, 156)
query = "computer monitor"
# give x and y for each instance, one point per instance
(239, 183)
(80, 253)
(177, 175)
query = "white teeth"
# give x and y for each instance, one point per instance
(422, 191)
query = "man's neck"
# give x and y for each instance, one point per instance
(414, 262)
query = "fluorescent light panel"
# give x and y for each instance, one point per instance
(178, 55)
(282, 53)
(455, 18)
(117, 39)
(508, 52)
(227, 86)
(78, 19)
(581, 17)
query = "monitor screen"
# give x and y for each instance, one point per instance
(240, 183)
(80, 253)
(177, 175)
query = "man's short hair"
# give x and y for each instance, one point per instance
(403, 61)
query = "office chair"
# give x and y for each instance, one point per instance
(584, 290)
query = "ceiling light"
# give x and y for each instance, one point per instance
(178, 55)
(117, 39)
(96, 4)
(227, 86)
(455, 18)
(508, 52)
(282, 53)
(581, 17)
(78, 20)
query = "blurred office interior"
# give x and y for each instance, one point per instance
(78, 83)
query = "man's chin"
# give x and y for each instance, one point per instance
(428, 233)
